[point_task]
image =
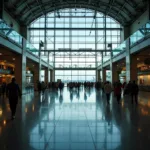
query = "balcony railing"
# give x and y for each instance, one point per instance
(142, 33)
(12, 35)
(16, 38)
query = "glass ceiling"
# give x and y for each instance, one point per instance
(70, 33)
(75, 38)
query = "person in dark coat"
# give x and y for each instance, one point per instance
(13, 92)
(134, 92)
(117, 91)
(60, 86)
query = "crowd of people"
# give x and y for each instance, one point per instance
(130, 88)
(118, 88)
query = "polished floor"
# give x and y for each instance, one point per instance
(77, 120)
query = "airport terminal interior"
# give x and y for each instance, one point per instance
(62, 54)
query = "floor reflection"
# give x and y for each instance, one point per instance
(72, 120)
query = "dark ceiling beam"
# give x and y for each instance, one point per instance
(79, 50)
(41, 6)
(28, 12)
(111, 2)
(71, 68)
(120, 9)
(125, 11)
(132, 4)
(75, 28)
(31, 12)
(89, 1)
(51, 4)
(64, 3)
(20, 3)
(29, 18)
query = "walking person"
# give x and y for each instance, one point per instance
(13, 92)
(43, 87)
(134, 92)
(60, 86)
(117, 91)
(39, 86)
(108, 90)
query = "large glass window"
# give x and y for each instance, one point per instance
(74, 39)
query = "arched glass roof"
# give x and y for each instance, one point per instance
(75, 37)
(124, 11)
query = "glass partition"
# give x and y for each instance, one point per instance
(119, 49)
(141, 33)
(31, 48)
(10, 33)
(106, 58)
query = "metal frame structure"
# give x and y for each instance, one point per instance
(123, 11)
(74, 37)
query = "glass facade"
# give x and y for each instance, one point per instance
(73, 41)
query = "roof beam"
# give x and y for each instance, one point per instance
(120, 10)
(41, 6)
(75, 28)
(79, 50)
(111, 2)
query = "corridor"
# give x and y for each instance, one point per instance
(77, 120)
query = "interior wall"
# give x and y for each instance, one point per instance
(9, 20)
(125, 33)
(143, 19)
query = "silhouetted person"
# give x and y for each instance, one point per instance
(134, 92)
(39, 86)
(127, 88)
(60, 86)
(117, 91)
(3, 89)
(13, 91)
(43, 87)
(108, 90)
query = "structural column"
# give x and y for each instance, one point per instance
(36, 75)
(52, 75)
(20, 69)
(115, 74)
(97, 75)
(103, 78)
(37, 70)
(104, 75)
(111, 69)
(133, 68)
(23, 31)
(46, 75)
(131, 64)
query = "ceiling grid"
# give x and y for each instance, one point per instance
(124, 11)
